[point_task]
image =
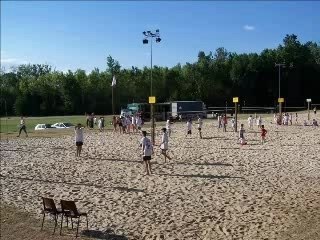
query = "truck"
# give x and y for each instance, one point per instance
(163, 111)
(188, 109)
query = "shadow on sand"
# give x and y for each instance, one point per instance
(201, 176)
(108, 234)
(113, 159)
(125, 189)
(204, 164)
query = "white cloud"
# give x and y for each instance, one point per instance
(5, 59)
(248, 28)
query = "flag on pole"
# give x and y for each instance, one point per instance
(113, 81)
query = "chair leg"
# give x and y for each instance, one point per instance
(43, 220)
(71, 223)
(87, 222)
(55, 223)
(61, 224)
(78, 227)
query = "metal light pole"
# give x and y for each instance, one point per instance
(279, 65)
(151, 35)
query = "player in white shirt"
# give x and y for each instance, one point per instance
(147, 151)
(78, 130)
(250, 122)
(241, 135)
(168, 127)
(189, 127)
(259, 122)
(139, 122)
(133, 124)
(219, 121)
(200, 123)
(22, 127)
(233, 123)
(164, 144)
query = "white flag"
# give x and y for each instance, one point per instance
(113, 81)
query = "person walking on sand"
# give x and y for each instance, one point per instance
(78, 130)
(250, 122)
(119, 122)
(114, 123)
(315, 110)
(259, 122)
(296, 118)
(233, 123)
(241, 135)
(101, 124)
(200, 123)
(164, 144)
(263, 134)
(225, 122)
(139, 122)
(189, 127)
(219, 121)
(168, 127)
(147, 151)
(22, 127)
(290, 118)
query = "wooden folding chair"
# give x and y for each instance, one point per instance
(49, 207)
(69, 210)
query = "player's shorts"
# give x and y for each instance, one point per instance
(189, 132)
(199, 129)
(79, 143)
(145, 158)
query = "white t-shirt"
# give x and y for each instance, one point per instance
(78, 135)
(138, 121)
(128, 122)
(189, 126)
(250, 121)
(259, 121)
(168, 125)
(200, 123)
(133, 120)
(164, 141)
(146, 146)
(22, 122)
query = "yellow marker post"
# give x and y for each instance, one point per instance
(236, 100)
(152, 101)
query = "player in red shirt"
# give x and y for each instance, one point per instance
(263, 134)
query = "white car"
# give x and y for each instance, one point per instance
(42, 126)
(62, 125)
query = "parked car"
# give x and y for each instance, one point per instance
(42, 126)
(62, 125)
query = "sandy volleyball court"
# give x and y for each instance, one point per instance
(212, 189)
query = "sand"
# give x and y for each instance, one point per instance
(212, 189)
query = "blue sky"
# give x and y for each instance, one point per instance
(81, 34)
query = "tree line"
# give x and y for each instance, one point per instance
(37, 89)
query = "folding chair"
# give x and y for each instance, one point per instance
(69, 210)
(50, 208)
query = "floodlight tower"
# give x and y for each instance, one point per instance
(151, 35)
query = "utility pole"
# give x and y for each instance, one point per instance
(280, 100)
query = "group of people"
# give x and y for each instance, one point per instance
(133, 124)
(92, 120)
(127, 124)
